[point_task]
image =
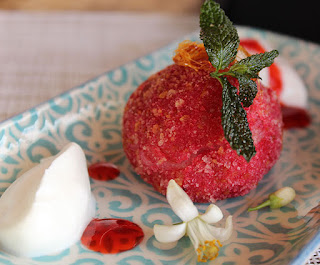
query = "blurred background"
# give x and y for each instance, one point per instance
(50, 46)
(295, 17)
(179, 6)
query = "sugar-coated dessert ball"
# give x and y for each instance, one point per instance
(172, 130)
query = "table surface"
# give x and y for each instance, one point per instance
(43, 54)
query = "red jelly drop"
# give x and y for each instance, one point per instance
(294, 117)
(111, 235)
(103, 171)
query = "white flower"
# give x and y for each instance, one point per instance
(205, 238)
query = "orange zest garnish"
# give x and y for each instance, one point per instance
(193, 55)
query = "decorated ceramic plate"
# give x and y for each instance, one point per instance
(91, 115)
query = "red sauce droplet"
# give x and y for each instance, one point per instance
(111, 235)
(103, 171)
(294, 117)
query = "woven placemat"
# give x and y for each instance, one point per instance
(45, 54)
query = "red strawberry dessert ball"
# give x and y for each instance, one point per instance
(172, 130)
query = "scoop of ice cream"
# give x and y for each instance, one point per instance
(47, 209)
(172, 130)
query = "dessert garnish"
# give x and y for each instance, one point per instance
(103, 171)
(277, 199)
(221, 42)
(205, 237)
(111, 235)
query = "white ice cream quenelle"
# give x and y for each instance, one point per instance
(47, 209)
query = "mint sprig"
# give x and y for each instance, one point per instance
(221, 41)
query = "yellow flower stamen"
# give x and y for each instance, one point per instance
(208, 251)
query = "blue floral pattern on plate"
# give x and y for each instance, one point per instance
(91, 115)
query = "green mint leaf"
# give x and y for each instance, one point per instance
(235, 123)
(247, 90)
(219, 36)
(250, 66)
(221, 41)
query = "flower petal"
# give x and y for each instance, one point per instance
(180, 202)
(199, 232)
(222, 234)
(212, 215)
(169, 233)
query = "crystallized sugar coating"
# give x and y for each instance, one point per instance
(172, 130)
